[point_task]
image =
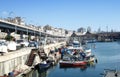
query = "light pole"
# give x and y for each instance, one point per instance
(12, 15)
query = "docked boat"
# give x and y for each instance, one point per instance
(75, 61)
(43, 66)
(82, 67)
(76, 55)
(72, 63)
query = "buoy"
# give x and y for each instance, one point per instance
(96, 60)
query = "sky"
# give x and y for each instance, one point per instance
(67, 14)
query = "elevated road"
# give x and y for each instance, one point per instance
(20, 29)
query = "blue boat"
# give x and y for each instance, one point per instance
(43, 66)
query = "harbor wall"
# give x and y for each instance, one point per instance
(11, 60)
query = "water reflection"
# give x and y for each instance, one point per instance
(92, 65)
(42, 74)
(81, 67)
(118, 42)
(37, 73)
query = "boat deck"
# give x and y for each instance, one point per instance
(111, 73)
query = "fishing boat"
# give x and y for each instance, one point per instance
(82, 67)
(76, 55)
(72, 63)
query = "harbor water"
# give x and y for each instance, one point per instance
(107, 54)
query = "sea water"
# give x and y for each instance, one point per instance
(107, 54)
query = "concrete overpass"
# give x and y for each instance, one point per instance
(9, 27)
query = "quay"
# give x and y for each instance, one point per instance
(10, 60)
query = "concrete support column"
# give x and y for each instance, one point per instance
(29, 37)
(8, 32)
(21, 35)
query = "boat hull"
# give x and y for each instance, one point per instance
(72, 63)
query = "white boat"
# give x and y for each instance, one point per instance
(12, 45)
(3, 47)
(80, 49)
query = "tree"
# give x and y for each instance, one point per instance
(9, 37)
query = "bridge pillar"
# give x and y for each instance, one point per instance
(8, 32)
(21, 35)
